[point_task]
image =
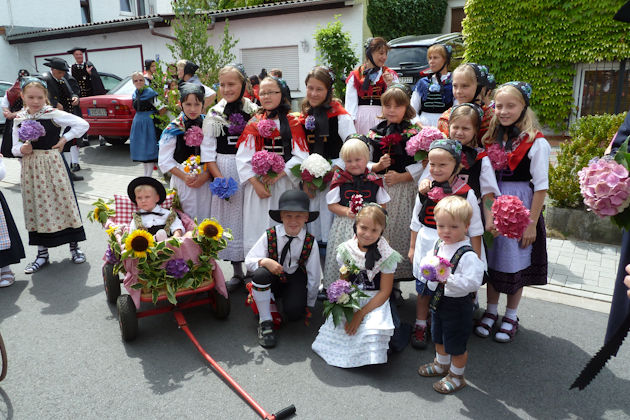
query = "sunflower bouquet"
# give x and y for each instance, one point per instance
(102, 211)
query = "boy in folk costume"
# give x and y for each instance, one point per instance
(148, 194)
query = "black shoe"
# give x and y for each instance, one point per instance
(234, 283)
(75, 167)
(75, 177)
(266, 334)
(102, 142)
(322, 295)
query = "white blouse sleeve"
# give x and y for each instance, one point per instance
(298, 156)
(244, 156)
(208, 92)
(415, 170)
(416, 102)
(352, 98)
(78, 126)
(313, 275)
(488, 179)
(4, 102)
(467, 277)
(382, 197)
(166, 161)
(3, 170)
(209, 149)
(257, 253)
(476, 226)
(333, 196)
(345, 126)
(415, 221)
(539, 166)
(17, 144)
(177, 224)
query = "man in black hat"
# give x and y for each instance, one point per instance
(294, 273)
(86, 74)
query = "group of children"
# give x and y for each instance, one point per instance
(280, 223)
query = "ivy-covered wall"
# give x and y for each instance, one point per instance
(541, 41)
(395, 18)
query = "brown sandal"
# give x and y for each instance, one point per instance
(510, 333)
(429, 370)
(446, 385)
(483, 325)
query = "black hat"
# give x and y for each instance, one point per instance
(147, 63)
(57, 64)
(190, 68)
(73, 49)
(146, 180)
(293, 200)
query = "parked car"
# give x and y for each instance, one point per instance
(110, 115)
(4, 86)
(408, 54)
(109, 80)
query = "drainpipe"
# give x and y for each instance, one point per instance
(153, 32)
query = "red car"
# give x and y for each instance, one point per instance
(110, 115)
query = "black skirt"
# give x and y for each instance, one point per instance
(15, 253)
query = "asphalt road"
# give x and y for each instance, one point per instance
(67, 360)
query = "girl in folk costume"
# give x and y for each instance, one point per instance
(286, 138)
(514, 263)
(367, 83)
(444, 164)
(365, 339)
(433, 94)
(143, 143)
(51, 211)
(11, 248)
(181, 142)
(350, 188)
(471, 82)
(400, 171)
(223, 125)
(327, 125)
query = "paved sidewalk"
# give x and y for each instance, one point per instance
(578, 268)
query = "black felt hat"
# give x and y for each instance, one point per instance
(146, 180)
(57, 64)
(293, 200)
(190, 68)
(73, 49)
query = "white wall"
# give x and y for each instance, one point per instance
(40, 13)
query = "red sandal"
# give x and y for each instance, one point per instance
(511, 332)
(483, 325)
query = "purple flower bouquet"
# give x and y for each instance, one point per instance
(343, 301)
(30, 130)
(224, 187)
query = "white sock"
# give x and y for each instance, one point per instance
(41, 249)
(443, 360)
(457, 371)
(148, 168)
(5, 269)
(510, 314)
(74, 154)
(492, 308)
(421, 323)
(263, 301)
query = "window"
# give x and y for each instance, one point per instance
(125, 5)
(284, 58)
(602, 88)
(133, 7)
(457, 16)
(85, 11)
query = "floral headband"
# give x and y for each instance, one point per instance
(405, 88)
(491, 82)
(286, 93)
(25, 81)
(476, 107)
(524, 88)
(454, 147)
(448, 49)
(380, 208)
(240, 68)
(358, 136)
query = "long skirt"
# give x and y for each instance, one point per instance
(12, 250)
(367, 347)
(51, 212)
(256, 210)
(195, 202)
(367, 118)
(143, 143)
(320, 228)
(620, 307)
(429, 119)
(230, 212)
(340, 232)
(397, 232)
(511, 267)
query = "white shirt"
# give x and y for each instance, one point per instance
(539, 167)
(166, 161)
(78, 127)
(468, 276)
(150, 220)
(313, 266)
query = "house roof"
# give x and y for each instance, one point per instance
(23, 35)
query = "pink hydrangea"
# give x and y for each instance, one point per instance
(511, 217)
(261, 162)
(193, 136)
(266, 128)
(277, 163)
(497, 156)
(605, 186)
(435, 194)
(422, 140)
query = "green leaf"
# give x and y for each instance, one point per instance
(488, 239)
(420, 155)
(295, 170)
(349, 313)
(337, 313)
(318, 182)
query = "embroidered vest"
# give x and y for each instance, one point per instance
(427, 215)
(143, 105)
(276, 145)
(226, 142)
(474, 172)
(328, 146)
(182, 151)
(439, 291)
(519, 174)
(371, 96)
(367, 189)
(400, 158)
(272, 249)
(153, 229)
(83, 79)
(48, 140)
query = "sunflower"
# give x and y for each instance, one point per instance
(139, 241)
(111, 230)
(210, 229)
(96, 212)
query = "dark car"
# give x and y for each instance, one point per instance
(408, 54)
(110, 115)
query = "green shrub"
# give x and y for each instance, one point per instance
(590, 136)
(395, 18)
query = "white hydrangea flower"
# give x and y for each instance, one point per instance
(316, 165)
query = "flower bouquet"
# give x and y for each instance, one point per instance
(193, 136)
(386, 142)
(101, 211)
(605, 186)
(418, 145)
(237, 124)
(224, 187)
(309, 123)
(267, 129)
(267, 163)
(315, 171)
(511, 217)
(343, 301)
(435, 269)
(30, 130)
(356, 203)
(193, 165)
(435, 194)
(498, 157)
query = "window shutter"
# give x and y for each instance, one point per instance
(283, 58)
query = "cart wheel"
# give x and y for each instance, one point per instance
(111, 282)
(127, 317)
(219, 305)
